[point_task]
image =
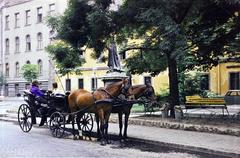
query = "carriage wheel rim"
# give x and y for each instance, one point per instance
(24, 118)
(86, 123)
(57, 124)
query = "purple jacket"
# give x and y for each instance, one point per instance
(36, 91)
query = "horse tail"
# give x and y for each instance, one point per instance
(72, 101)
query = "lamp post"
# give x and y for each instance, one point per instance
(94, 69)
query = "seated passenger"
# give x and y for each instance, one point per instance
(40, 98)
(56, 92)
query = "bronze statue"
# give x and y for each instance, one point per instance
(113, 59)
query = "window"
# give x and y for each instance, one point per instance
(123, 55)
(204, 82)
(51, 36)
(39, 41)
(28, 62)
(28, 43)
(80, 83)
(17, 20)
(6, 90)
(27, 86)
(40, 67)
(7, 46)
(27, 17)
(7, 22)
(39, 15)
(7, 70)
(16, 89)
(17, 45)
(147, 79)
(94, 84)
(234, 80)
(68, 84)
(51, 9)
(17, 69)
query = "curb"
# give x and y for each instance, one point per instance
(181, 126)
(189, 148)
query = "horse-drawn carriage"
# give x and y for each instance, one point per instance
(80, 104)
(57, 111)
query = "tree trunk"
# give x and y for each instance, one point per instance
(173, 83)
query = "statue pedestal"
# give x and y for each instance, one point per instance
(112, 77)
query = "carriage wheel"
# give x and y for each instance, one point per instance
(57, 124)
(86, 122)
(25, 118)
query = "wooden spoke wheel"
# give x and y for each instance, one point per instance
(57, 124)
(86, 122)
(25, 118)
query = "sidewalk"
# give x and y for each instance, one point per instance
(149, 129)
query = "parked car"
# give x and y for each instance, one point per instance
(232, 97)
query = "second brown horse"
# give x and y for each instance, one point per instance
(135, 92)
(84, 101)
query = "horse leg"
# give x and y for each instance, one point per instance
(98, 129)
(120, 114)
(102, 126)
(73, 128)
(79, 116)
(107, 115)
(127, 113)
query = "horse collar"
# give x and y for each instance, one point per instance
(107, 92)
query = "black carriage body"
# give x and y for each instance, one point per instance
(55, 103)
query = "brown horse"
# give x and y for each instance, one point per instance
(84, 101)
(134, 92)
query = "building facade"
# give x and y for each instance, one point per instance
(24, 35)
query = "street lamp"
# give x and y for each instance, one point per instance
(94, 69)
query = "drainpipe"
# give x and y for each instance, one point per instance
(219, 79)
(1, 45)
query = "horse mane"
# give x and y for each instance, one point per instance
(113, 84)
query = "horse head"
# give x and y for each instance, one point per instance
(117, 88)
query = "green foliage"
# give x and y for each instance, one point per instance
(163, 96)
(30, 72)
(141, 63)
(66, 57)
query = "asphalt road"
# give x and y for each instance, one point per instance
(40, 143)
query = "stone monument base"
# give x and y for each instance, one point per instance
(113, 76)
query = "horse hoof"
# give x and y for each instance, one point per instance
(75, 138)
(103, 143)
(80, 137)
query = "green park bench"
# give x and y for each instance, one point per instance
(197, 102)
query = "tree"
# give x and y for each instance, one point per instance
(30, 72)
(66, 57)
(187, 33)
(177, 34)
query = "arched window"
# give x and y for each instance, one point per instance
(28, 43)
(39, 41)
(7, 46)
(17, 69)
(40, 67)
(7, 70)
(28, 62)
(51, 36)
(17, 45)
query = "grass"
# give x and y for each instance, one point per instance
(137, 108)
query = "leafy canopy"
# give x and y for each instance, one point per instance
(30, 72)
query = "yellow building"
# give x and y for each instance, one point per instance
(224, 77)
(93, 71)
